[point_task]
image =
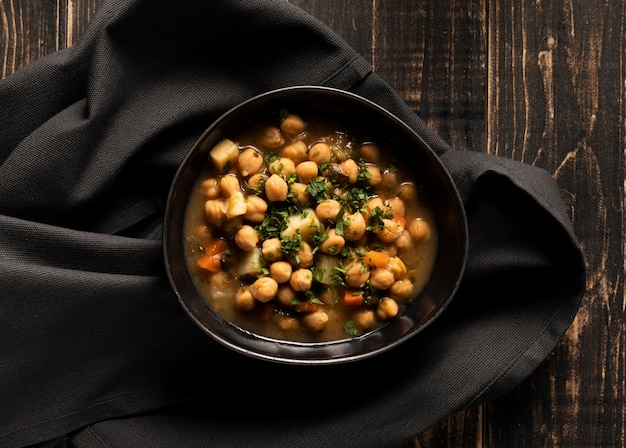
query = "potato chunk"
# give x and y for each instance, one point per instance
(224, 154)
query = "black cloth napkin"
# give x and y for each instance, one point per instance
(93, 340)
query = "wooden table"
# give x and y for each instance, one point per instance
(542, 82)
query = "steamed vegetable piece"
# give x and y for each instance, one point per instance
(314, 233)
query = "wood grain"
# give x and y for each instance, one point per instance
(537, 81)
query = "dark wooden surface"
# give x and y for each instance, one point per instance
(538, 81)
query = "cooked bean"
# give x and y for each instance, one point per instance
(246, 238)
(381, 279)
(401, 289)
(299, 193)
(419, 229)
(370, 152)
(293, 124)
(229, 184)
(264, 289)
(407, 191)
(255, 209)
(215, 211)
(301, 279)
(288, 324)
(283, 166)
(296, 151)
(316, 321)
(374, 177)
(276, 189)
(281, 271)
(272, 138)
(320, 153)
(307, 170)
(398, 268)
(396, 207)
(256, 181)
(286, 295)
(244, 300)
(350, 169)
(404, 241)
(356, 274)
(390, 180)
(354, 227)
(364, 319)
(210, 188)
(271, 250)
(249, 162)
(328, 209)
(304, 257)
(333, 244)
(387, 308)
(390, 232)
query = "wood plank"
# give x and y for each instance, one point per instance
(556, 92)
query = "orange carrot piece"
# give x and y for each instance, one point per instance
(211, 260)
(376, 259)
(353, 297)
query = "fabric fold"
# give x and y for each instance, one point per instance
(94, 341)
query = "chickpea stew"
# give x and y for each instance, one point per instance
(302, 229)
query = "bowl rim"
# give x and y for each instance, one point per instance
(284, 351)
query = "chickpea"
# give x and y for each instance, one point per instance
(272, 138)
(286, 295)
(293, 124)
(256, 181)
(374, 178)
(356, 274)
(210, 188)
(381, 279)
(354, 227)
(316, 321)
(255, 209)
(271, 251)
(364, 319)
(301, 279)
(401, 289)
(398, 268)
(333, 244)
(282, 166)
(319, 153)
(249, 162)
(404, 240)
(307, 170)
(264, 289)
(215, 211)
(296, 152)
(299, 192)
(373, 204)
(229, 184)
(390, 180)
(280, 271)
(419, 230)
(288, 324)
(396, 206)
(303, 257)
(328, 209)
(390, 232)
(246, 238)
(407, 191)
(244, 300)
(350, 169)
(276, 189)
(370, 152)
(387, 308)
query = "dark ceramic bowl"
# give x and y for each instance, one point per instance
(451, 221)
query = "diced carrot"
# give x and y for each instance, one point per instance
(353, 297)
(400, 220)
(211, 260)
(307, 307)
(376, 259)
